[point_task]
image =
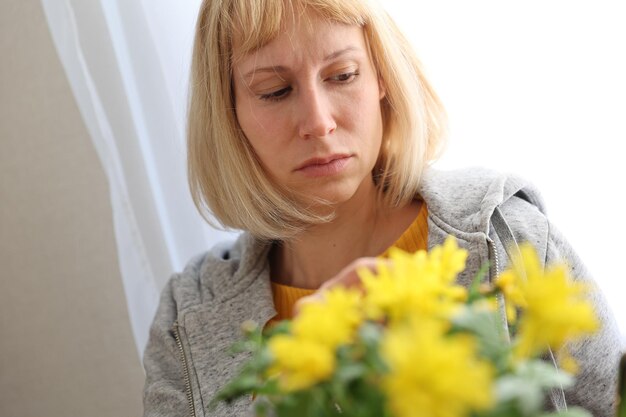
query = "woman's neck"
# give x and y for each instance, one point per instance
(361, 227)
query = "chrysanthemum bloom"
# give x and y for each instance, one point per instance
(307, 355)
(450, 258)
(420, 283)
(555, 308)
(507, 282)
(299, 363)
(331, 321)
(432, 374)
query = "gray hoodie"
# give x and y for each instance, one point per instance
(187, 359)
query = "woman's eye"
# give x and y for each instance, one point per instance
(280, 94)
(276, 95)
(345, 77)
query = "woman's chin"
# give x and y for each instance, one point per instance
(333, 196)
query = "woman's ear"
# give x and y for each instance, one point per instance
(382, 91)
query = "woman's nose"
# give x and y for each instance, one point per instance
(315, 114)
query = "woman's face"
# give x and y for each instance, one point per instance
(309, 104)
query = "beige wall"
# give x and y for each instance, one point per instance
(66, 347)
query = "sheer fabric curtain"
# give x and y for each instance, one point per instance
(127, 65)
(534, 88)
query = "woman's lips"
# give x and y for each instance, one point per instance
(321, 167)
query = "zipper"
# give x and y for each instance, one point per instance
(183, 357)
(493, 254)
(557, 395)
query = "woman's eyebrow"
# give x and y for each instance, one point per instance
(277, 69)
(341, 52)
(274, 69)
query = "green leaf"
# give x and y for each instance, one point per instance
(527, 386)
(364, 400)
(313, 402)
(262, 408)
(250, 377)
(527, 397)
(242, 385)
(371, 333)
(486, 326)
(350, 372)
(502, 409)
(370, 336)
(543, 374)
(282, 327)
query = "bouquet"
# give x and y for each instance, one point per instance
(414, 343)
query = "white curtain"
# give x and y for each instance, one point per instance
(536, 88)
(127, 65)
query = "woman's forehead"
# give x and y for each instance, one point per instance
(323, 35)
(251, 33)
(319, 43)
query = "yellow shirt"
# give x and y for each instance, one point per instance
(414, 238)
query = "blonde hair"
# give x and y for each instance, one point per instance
(225, 177)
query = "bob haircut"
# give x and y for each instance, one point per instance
(226, 178)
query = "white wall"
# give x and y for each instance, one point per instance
(66, 347)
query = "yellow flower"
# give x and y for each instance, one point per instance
(307, 356)
(332, 321)
(555, 308)
(299, 363)
(513, 296)
(489, 304)
(433, 375)
(557, 312)
(451, 259)
(530, 262)
(568, 363)
(418, 283)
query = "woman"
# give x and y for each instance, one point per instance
(311, 128)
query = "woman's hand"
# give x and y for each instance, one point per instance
(348, 277)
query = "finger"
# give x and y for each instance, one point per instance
(348, 277)
(316, 297)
